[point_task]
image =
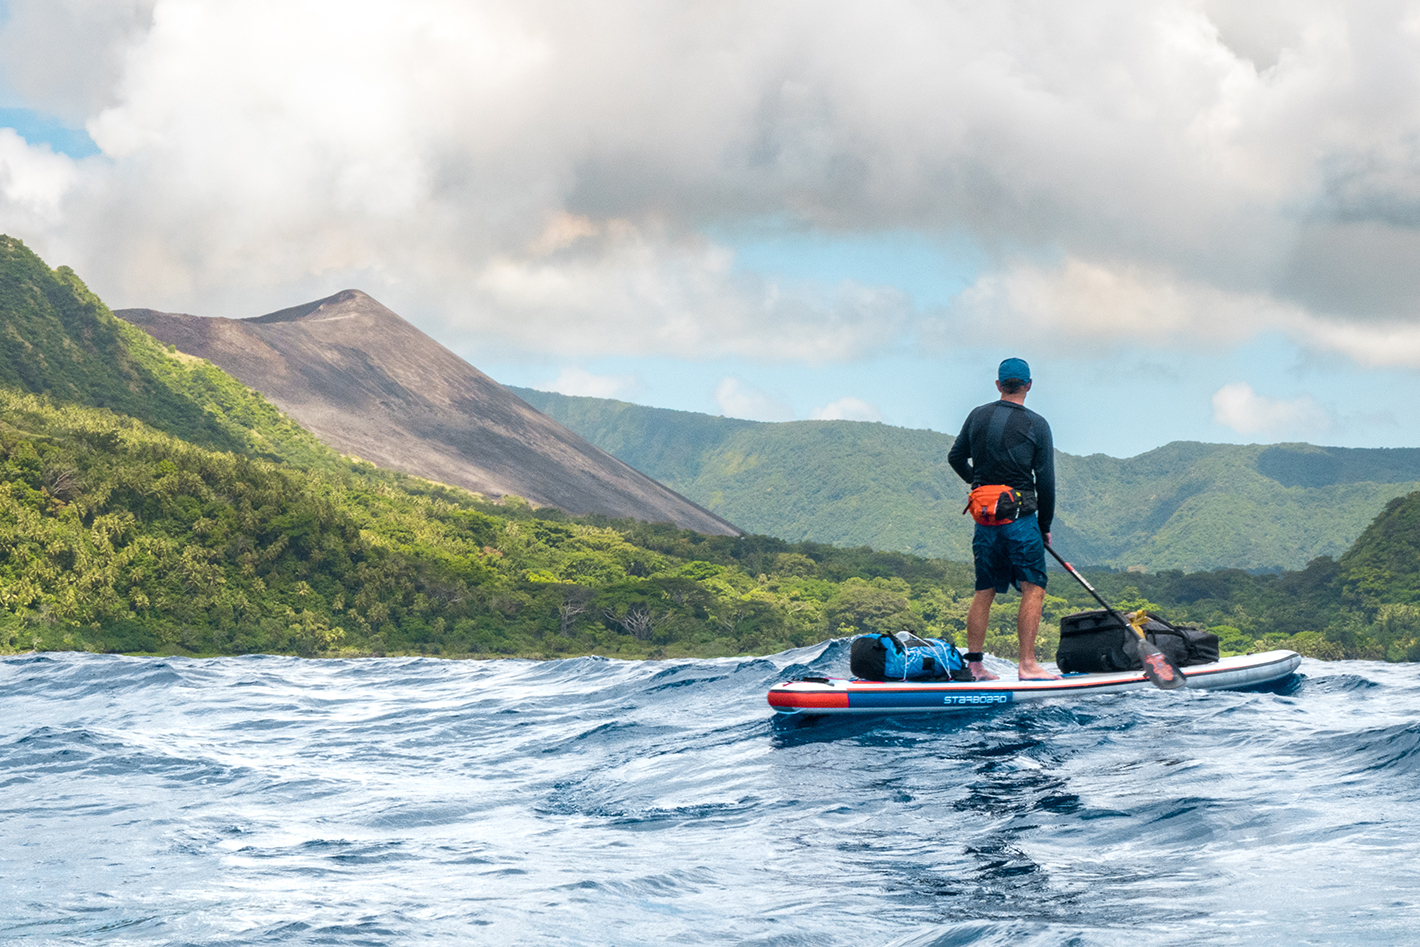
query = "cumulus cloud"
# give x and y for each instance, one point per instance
(1237, 406)
(848, 409)
(578, 381)
(1079, 304)
(1086, 301)
(66, 57)
(33, 181)
(1382, 344)
(582, 286)
(740, 400)
(545, 174)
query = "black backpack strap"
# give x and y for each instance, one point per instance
(1023, 452)
(996, 429)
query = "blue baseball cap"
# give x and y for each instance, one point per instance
(1014, 368)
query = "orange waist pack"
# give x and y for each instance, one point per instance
(997, 504)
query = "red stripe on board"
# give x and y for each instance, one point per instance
(795, 699)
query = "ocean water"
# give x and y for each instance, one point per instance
(267, 800)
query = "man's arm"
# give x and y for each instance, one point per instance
(960, 454)
(1044, 470)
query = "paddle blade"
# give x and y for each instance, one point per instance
(1158, 668)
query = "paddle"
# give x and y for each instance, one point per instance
(1157, 667)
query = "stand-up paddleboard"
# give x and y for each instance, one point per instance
(834, 695)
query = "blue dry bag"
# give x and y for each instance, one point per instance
(884, 658)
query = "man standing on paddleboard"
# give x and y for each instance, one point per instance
(1006, 453)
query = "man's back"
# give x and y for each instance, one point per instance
(1007, 443)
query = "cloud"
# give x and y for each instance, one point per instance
(1237, 406)
(1081, 299)
(615, 287)
(577, 381)
(848, 409)
(33, 181)
(1385, 344)
(66, 57)
(1082, 304)
(739, 400)
(543, 176)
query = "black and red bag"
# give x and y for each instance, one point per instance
(997, 504)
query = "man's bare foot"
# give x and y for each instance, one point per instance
(1034, 672)
(979, 672)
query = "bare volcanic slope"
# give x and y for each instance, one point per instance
(371, 385)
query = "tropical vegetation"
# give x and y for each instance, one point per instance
(150, 503)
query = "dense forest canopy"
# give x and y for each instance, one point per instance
(150, 503)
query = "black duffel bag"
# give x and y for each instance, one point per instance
(1091, 642)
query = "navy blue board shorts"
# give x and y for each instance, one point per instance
(1009, 555)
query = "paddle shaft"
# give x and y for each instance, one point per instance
(1091, 589)
(1157, 667)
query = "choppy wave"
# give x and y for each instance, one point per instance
(266, 800)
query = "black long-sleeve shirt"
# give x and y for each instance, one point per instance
(1019, 452)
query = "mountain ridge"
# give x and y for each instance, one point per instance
(1185, 505)
(372, 385)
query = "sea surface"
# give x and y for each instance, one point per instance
(271, 800)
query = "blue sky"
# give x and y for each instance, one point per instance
(1131, 401)
(40, 129)
(1196, 221)
(1117, 400)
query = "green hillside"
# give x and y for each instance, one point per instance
(1383, 567)
(1364, 605)
(118, 537)
(148, 502)
(1183, 506)
(58, 339)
